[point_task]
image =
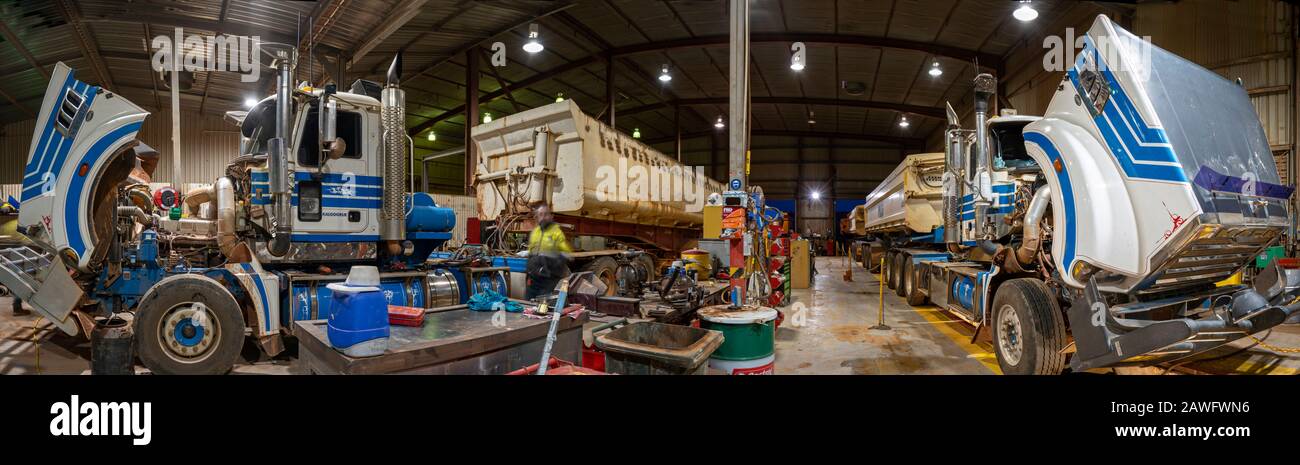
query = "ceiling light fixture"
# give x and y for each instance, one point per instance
(250, 102)
(533, 46)
(663, 74)
(1026, 12)
(433, 136)
(902, 123)
(559, 97)
(487, 118)
(811, 119)
(719, 124)
(816, 195)
(636, 133)
(934, 69)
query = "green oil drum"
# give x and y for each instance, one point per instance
(749, 335)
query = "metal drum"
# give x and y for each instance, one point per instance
(442, 289)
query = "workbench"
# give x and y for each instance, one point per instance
(453, 340)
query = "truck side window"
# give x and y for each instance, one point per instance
(348, 128)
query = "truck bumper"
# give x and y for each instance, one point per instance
(1104, 337)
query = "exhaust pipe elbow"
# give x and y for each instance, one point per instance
(1031, 234)
(234, 249)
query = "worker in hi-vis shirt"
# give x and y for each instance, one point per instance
(548, 259)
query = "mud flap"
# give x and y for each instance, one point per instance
(41, 280)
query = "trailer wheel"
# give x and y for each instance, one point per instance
(915, 281)
(606, 270)
(189, 325)
(903, 273)
(887, 270)
(1028, 329)
(648, 262)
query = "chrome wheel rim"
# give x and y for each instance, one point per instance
(1010, 340)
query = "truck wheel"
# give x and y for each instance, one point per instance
(189, 325)
(903, 273)
(1028, 329)
(606, 270)
(915, 281)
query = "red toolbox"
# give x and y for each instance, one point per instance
(405, 316)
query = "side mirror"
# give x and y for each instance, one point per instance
(328, 121)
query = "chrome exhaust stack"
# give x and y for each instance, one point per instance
(278, 161)
(392, 114)
(952, 174)
(985, 86)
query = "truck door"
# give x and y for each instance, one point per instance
(336, 200)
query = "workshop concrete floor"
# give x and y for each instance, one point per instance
(837, 338)
(834, 338)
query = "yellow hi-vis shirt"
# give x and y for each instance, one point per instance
(548, 241)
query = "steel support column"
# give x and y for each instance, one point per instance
(738, 92)
(471, 117)
(611, 96)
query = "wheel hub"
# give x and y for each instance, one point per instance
(189, 331)
(1010, 343)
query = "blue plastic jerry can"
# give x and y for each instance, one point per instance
(358, 320)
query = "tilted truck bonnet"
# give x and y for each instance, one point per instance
(1154, 161)
(80, 152)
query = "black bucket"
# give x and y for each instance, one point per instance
(111, 347)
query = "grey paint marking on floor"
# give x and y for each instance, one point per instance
(836, 339)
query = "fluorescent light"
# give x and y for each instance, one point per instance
(719, 124)
(1026, 12)
(487, 118)
(433, 136)
(663, 74)
(636, 133)
(533, 46)
(934, 69)
(250, 102)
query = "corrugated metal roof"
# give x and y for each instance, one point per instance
(887, 45)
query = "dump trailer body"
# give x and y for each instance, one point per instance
(908, 200)
(581, 167)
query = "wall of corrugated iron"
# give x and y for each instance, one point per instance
(464, 208)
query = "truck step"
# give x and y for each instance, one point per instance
(40, 279)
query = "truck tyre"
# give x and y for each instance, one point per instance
(915, 282)
(902, 274)
(1028, 329)
(606, 270)
(887, 270)
(171, 335)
